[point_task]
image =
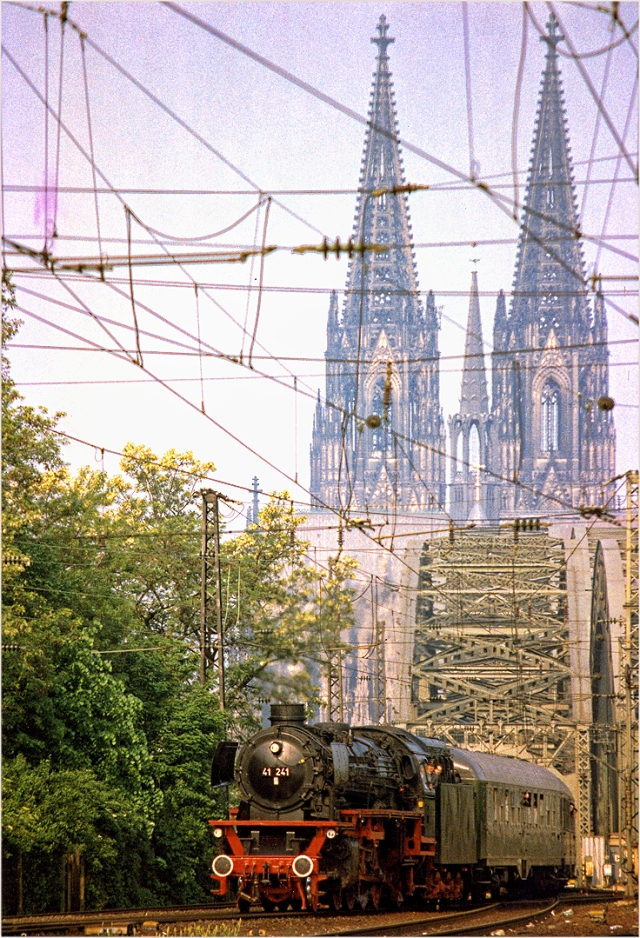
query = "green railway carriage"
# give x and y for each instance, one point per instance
(518, 822)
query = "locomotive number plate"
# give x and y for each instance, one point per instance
(277, 771)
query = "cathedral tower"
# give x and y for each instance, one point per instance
(471, 492)
(550, 358)
(378, 441)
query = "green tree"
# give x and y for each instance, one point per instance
(278, 617)
(107, 734)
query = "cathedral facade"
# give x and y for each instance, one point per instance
(545, 443)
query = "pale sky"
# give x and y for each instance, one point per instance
(279, 137)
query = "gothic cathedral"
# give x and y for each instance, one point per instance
(547, 441)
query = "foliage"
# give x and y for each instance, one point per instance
(279, 620)
(107, 733)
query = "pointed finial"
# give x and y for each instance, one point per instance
(553, 37)
(382, 40)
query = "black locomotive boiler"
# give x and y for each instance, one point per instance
(339, 815)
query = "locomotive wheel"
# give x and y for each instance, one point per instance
(376, 895)
(350, 896)
(335, 897)
(282, 906)
(267, 904)
(244, 906)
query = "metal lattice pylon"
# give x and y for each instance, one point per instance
(335, 686)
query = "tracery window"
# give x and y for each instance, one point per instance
(550, 419)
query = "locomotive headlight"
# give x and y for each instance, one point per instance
(331, 834)
(302, 866)
(222, 865)
(276, 748)
(218, 832)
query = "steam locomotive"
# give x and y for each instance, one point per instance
(338, 815)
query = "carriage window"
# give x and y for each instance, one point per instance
(495, 804)
(526, 799)
(506, 807)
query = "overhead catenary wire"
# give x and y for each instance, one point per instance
(437, 187)
(285, 474)
(202, 407)
(91, 148)
(261, 279)
(188, 472)
(46, 132)
(595, 53)
(127, 213)
(63, 19)
(196, 288)
(516, 112)
(629, 316)
(195, 354)
(86, 156)
(419, 359)
(179, 120)
(482, 186)
(594, 139)
(467, 71)
(42, 273)
(547, 496)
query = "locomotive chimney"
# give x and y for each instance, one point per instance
(287, 713)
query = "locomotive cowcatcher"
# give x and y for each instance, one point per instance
(338, 815)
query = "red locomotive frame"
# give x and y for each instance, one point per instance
(272, 880)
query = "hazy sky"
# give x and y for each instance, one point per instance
(279, 137)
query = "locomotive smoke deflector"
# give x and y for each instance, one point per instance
(222, 766)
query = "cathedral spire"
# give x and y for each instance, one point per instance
(382, 352)
(550, 361)
(469, 429)
(382, 285)
(550, 265)
(474, 399)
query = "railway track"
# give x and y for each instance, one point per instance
(73, 922)
(132, 921)
(467, 923)
(472, 921)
